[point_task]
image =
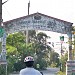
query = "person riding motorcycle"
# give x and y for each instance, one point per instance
(29, 70)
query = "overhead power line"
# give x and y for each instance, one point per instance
(4, 2)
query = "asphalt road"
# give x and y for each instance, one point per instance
(49, 71)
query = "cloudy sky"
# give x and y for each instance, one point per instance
(61, 9)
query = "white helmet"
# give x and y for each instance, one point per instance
(28, 58)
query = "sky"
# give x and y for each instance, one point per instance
(61, 9)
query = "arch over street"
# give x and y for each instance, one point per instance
(39, 21)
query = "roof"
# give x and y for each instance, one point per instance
(35, 14)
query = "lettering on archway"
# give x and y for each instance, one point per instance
(38, 21)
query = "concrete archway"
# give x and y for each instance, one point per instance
(39, 21)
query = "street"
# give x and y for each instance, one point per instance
(49, 71)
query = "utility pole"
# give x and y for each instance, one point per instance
(3, 52)
(61, 39)
(27, 39)
(0, 12)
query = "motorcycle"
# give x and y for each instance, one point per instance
(41, 73)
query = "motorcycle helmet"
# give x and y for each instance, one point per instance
(28, 59)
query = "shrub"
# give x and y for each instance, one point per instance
(61, 73)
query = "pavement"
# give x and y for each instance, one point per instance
(48, 71)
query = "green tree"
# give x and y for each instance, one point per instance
(41, 49)
(54, 59)
(17, 49)
(73, 42)
(63, 60)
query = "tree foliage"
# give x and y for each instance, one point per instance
(17, 50)
(63, 60)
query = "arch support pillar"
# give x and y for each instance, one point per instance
(70, 57)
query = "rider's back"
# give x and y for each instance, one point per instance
(29, 71)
